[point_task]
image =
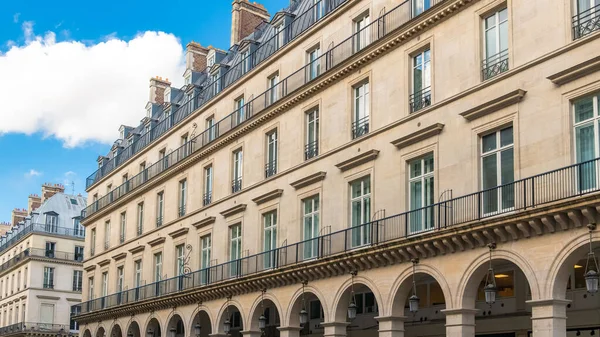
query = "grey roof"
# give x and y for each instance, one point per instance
(67, 207)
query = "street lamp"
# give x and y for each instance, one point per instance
(150, 332)
(490, 280)
(262, 320)
(413, 301)
(172, 332)
(227, 323)
(303, 312)
(197, 329)
(352, 306)
(591, 267)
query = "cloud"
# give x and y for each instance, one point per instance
(33, 173)
(80, 92)
(16, 17)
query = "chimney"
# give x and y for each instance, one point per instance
(157, 89)
(5, 227)
(195, 57)
(48, 190)
(33, 203)
(18, 215)
(245, 17)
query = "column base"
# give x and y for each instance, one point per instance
(391, 326)
(335, 329)
(289, 331)
(549, 317)
(251, 333)
(460, 322)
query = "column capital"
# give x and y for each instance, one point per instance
(289, 328)
(251, 333)
(551, 301)
(391, 318)
(334, 324)
(459, 311)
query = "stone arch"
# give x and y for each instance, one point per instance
(339, 312)
(402, 286)
(559, 270)
(476, 270)
(255, 312)
(172, 322)
(293, 310)
(133, 329)
(152, 324)
(115, 331)
(202, 315)
(218, 324)
(87, 333)
(100, 331)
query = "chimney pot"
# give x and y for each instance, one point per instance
(245, 17)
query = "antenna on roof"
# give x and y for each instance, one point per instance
(72, 187)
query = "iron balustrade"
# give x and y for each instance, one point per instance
(140, 229)
(420, 99)
(311, 150)
(299, 25)
(586, 22)
(121, 238)
(181, 210)
(270, 168)
(236, 185)
(495, 65)
(332, 58)
(206, 198)
(159, 222)
(567, 182)
(360, 127)
(48, 285)
(33, 327)
(11, 238)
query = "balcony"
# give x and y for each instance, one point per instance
(207, 198)
(586, 22)
(495, 65)
(567, 184)
(106, 245)
(159, 222)
(16, 235)
(420, 99)
(311, 150)
(181, 211)
(270, 169)
(380, 27)
(140, 229)
(301, 24)
(48, 285)
(122, 238)
(38, 329)
(236, 185)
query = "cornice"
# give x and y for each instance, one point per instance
(417, 136)
(494, 105)
(157, 241)
(268, 196)
(358, 160)
(179, 232)
(90, 267)
(137, 249)
(104, 262)
(233, 210)
(308, 180)
(204, 222)
(119, 256)
(580, 70)
(44, 297)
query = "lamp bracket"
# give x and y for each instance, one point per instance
(591, 226)
(304, 282)
(491, 245)
(415, 260)
(354, 273)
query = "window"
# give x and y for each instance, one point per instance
(208, 185)
(123, 228)
(316, 310)
(184, 145)
(311, 149)
(107, 235)
(120, 275)
(495, 46)
(182, 196)
(216, 83)
(19, 280)
(318, 9)
(314, 64)
(104, 288)
(77, 280)
(160, 197)
(140, 218)
(419, 6)
(51, 223)
(310, 225)
(240, 111)
(279, 36)
(163, 158)
(78, 253)
(48, 278)
(179, 265)
(421, 81)
(273, 88)
(271, 165)
(587, 136)
(211, 128)
(187, 79)
(157, 267)
(237, 171)
(206, 244)
(362, 32)
(269, 239)
(235, 248)
(360, 117)
(421, 194)
(365, 303)
(73, 325)
(78, 229)
(211, 60)
(497, 166)
(167, 96)
(360, 211)
(50, 249)
(93, 242)
(142, 167)
(91, 288)
(587, 17)
(245, 61)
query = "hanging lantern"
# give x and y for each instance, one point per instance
(591, 267)
(490, 293)
(197, 329)
(413, 301)
(129, 333)
(172, 332)
(150, 332)
(490, 288)
(262, 322)
(226, 326)
(352, 306)
(303, 312)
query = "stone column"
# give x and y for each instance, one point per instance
(460, 322)
(289, 331)
(220, 334)
(335, 329)
(251, 333)
(391, 326)
(549, 317)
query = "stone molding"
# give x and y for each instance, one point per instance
(204, 222)
(494, 105)
(179, 232)
(233, 210)
(268, 196)
(580, 70)
(308, 180)
(44, 297)
(137, 249)
(417, 136)
(90, 267)
(104, 262)
(358, 160)
(157, 241)
(119, 256)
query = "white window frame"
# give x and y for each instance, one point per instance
(313, 217)
(314, 65)
(90, 288)
(158, 267)
(364, 231)
(312, 123)
(420, 6)
(235, 247)
(104, 284)
(272, 154)
(210, 126)
(420, 218)
(497, 152)
(208, 180)
(496, 26)
(182, 195)
(120, 278)
(123, 227)
(140, 218)
(240, 110)
(48, 277)
(594, 121)
(421, 61)
(138, 273)
(238, 162)
(362, 31)
(269, 238)
(273, 81)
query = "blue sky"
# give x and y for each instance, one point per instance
(49, 141)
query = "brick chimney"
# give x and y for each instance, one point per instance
(245, 17)
(5, 227)
(18, 215)
(195, 57)
(157, 89)
(48, 190)
(33, 202)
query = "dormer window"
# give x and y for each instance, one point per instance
(147, 128)
(279, 35)
(211, 60)
(122, 134)
(149, 112)
(215, 81)
(188, 79)
(115, 153)
(130, 141)
(245, 61)
(167, 98)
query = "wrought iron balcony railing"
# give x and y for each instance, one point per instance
(207, 198)
(420, 99)
(140, 229)
(311, 150)
(299, 25)
(568, 182)
(236, 185)
(181, 210)
(270, 168)
(48, 285)
(495, 65)
(39, 252)
(586, 22)
(159, 222)
(35, 328)
(360, 127)
(335, 56)
(14, 236)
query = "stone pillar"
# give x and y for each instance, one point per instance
(391, 326)
(549, 317)
(251, 333)
(460, 322)
(289, 331)
(335, 329)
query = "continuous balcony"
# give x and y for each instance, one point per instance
(14, 236)
(301, 24)
(516, 200)
(39, 253)
(36, 329)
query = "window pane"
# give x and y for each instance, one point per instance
(503, 15)
(506, 137)
(490, 43)
(585, 144)
(488, 143)
(490, 21)
(584, 109)
(507, 166)
(428, 164)
(415, 168)
(489, 168)
(503, 37)
(366, 186)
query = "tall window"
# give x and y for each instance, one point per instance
(271, 165)
(77, 280)
(179, 265)
(421, 81)
(93, 242)
(182, 196)
(270, 239)
(163, 158)
(216, 83)
(421, 194)
(78, 253)
(140, 218)
(318, 9)
(208, 185)
(50, 249)
(51, 223)
(73, 325)
(279, 36)
(586, 124)
(160, 207)
(245, 60)
(104, 288)
(362, 32)
(495, 46)
(240, 111)
(91, 288)
(587, 18)
(123, 227)
(138, 273)
(48, 278)
(237, 171)
(235, 248)
(360, 116)
(419, 6)
(107, 235)
(120, 279)
(157, 267)
(360, 211)
(273, 89)
(211, 129)
(310, 224)
(311, 149)
(78, 229)
(497, 166)
(314, 64)
(206, 244)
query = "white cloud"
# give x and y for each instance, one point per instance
(80, 92)
(33, 173)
